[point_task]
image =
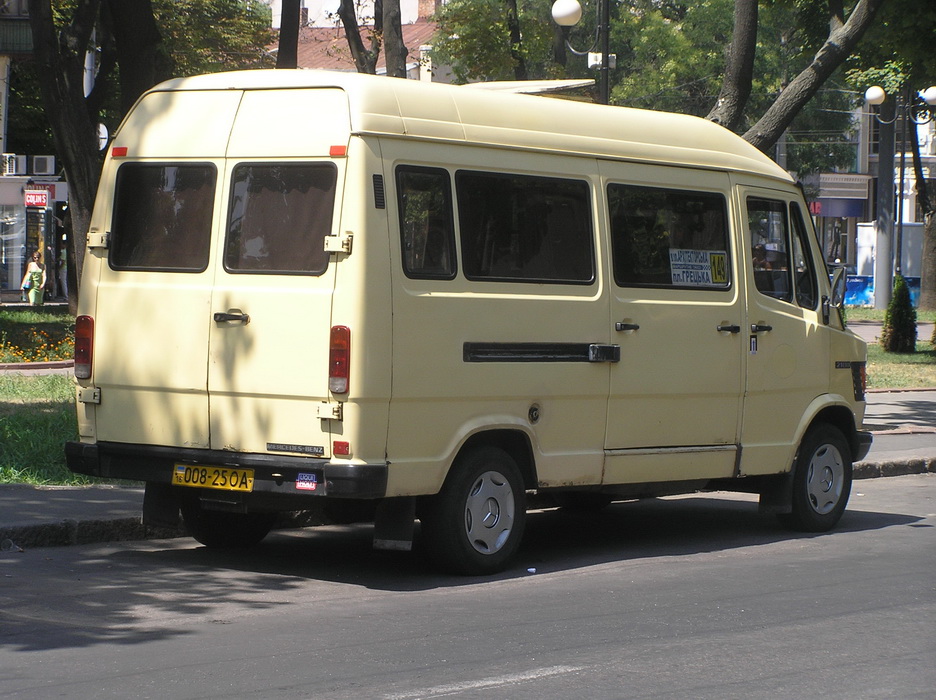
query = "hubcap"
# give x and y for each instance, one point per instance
(824, 480)
(489, 512)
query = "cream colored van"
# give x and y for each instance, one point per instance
(307, 287)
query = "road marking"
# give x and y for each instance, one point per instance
(495, 682)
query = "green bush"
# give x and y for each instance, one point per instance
(899, 333)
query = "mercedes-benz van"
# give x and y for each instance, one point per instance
(312, 287)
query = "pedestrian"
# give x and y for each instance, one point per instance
(34, 280)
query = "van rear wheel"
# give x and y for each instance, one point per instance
(822, 480)
(223, 530)
(475, 524)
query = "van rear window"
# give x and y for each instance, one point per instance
(278, 218)
(162, 217)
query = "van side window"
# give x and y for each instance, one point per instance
(427, 231)
(668, 238)
(521, 228)
(278, 218)
(162, 217)
(807, 294)
(780, 252)
(769, 229)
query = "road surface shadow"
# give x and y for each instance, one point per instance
(555, 540)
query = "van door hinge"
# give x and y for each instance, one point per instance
(331, 410)
(96, 239)
(339, 244)
(89, 395)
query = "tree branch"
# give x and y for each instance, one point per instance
(831, 55)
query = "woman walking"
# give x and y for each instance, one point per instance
(34, 280)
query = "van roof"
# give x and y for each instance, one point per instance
(436, 111)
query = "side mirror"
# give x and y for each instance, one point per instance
(838, 288)
(838, 295)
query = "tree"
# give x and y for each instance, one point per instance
(130, 35)
(387, 31)
(899, 333)
(495, 40)
(288, 54)
(61, 55)
(898, 54)
(844, 35)
(739, 67)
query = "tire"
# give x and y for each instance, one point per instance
(822, 480)
(475, 523)
(222, 530)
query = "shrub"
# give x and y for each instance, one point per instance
(899, 333)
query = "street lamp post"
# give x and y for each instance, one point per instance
(567, 13)
(918, 110)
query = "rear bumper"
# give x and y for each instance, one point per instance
(274, 475)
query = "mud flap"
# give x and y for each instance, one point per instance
(395, 523)
(160, 506)
(777, 497)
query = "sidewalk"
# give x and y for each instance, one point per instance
(904, 423)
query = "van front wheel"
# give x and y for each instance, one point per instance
(222, 530)
(822, 480)
(475, 523)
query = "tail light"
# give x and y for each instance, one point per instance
(339, 359)
(84, 346)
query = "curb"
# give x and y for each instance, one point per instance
(29, 366)
(71, 532)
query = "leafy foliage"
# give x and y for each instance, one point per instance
(473, 37)
(199, 36)
(208, 36)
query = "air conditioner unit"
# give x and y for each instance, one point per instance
(14, 164)
(42, 165)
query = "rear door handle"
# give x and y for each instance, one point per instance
(758, 328)
(222, 317)
(728, 329)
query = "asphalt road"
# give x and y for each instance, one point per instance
(688, 597)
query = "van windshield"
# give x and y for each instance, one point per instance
(162, 217)
(278, 218)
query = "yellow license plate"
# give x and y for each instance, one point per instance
(206, 477)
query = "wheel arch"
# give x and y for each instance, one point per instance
(838, 416)
(515, 443)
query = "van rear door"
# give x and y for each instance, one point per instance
(271, 306)
(155, 277)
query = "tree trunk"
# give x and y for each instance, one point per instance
(61, 55)
(395, 50)
(516, 41)
(364, 60)
(288, 54)
(843, 36)
(927, 301)
(739, 67)
(139, 49)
